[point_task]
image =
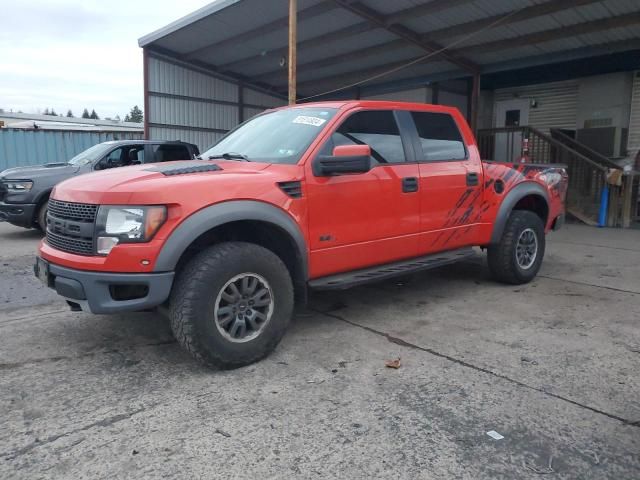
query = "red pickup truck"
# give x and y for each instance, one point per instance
(314, 196)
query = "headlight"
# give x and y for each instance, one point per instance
(127, 224)
(16, 186)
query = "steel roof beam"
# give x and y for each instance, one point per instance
(480, 48)
(526, 13)
(280, 23)
(626, 20)
(386, 23)
(498, 45)
(337, 59)
(432, 7)
(464, 29)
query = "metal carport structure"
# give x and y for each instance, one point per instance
(231, 54)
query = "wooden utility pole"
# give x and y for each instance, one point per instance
(293, 40)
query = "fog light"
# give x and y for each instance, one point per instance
(105, 244)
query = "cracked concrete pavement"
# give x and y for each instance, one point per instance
(552, 366)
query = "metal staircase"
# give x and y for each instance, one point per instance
(588, 170)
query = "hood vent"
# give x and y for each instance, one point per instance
(292, 189)
(184, 168)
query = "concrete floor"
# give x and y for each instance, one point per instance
(552, 366)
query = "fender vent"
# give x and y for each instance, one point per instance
(184, 168)
(292, 189)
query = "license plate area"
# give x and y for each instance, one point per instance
(42, 272)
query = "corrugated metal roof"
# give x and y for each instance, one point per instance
(247, 38)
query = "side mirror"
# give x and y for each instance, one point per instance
(345, 159)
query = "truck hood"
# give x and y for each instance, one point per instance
(161, 183)
(33, 172)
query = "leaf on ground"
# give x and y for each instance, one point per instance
(392, 363)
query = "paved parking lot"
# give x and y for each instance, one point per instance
(551, 366)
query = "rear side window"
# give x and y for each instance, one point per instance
(376, 128)
(169, 153)
(439, 136)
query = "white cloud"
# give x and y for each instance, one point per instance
(72, 54)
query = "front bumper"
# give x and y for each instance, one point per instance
(19, 214)
(104, 292)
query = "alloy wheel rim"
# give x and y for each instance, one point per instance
(527, 249)
(243, 307)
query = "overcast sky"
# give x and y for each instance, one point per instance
(74, 54)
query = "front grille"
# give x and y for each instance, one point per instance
(80, 246)
(79, 212)
(3, 191)
(70, 226)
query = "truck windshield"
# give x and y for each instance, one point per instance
(90, 154)
(281, 136)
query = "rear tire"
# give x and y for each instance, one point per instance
(231, 304)
(518, 256)
(41, 218)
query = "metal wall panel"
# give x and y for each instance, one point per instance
(188, 103)
(192, 113)
(420, 95)
(166, 77)
(200, 138)
(33, 147)
(461, 102)
(253, 97)
(634, 119)
(250, 112)
(557, 103)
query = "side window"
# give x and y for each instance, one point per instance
(439, 136)
(170, 152)
(376, 128)
(113, 159)
(123, 156)
(135, 155)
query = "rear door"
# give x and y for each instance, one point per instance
(450, 181)
(372, 218)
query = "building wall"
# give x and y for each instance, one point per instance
(420, 95)
(185, 102)
(32, 147)
(605, 100)
(557, 103)
(425, 95)
(634, 118)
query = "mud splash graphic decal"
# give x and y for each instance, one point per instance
(468, 211)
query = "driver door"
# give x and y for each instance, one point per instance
(364, 219)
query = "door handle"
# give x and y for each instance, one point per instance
(472, 179)
(409, 184)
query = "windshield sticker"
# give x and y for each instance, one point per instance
(305, 120)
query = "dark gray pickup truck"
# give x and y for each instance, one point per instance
(24, 191)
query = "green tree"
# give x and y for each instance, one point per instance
(135, 115)
(94, 115)
(85, 113)
(69, 113)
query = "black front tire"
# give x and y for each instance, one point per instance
(41, 219)
(196, 294)
(503, 257)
